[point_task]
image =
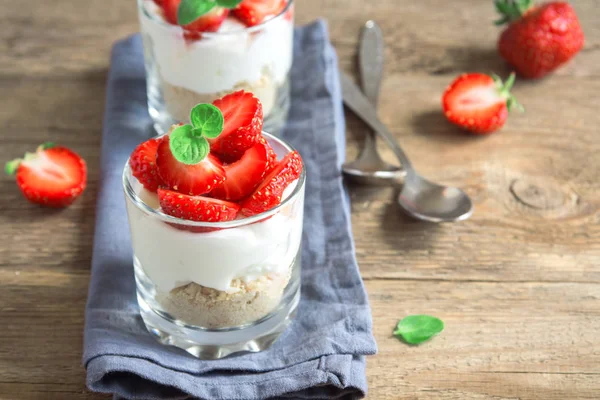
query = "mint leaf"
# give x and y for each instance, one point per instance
(187, 147)
(191, 10)
(207, 120)
(228, 3)
(416, 329)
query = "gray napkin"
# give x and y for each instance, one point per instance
(322, 354)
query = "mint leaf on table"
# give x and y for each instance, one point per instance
(188, 143)
(416, 329)
(191, 10)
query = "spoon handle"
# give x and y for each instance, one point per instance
(359, 104)
(370, 60)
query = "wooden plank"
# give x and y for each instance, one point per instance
(501, 340)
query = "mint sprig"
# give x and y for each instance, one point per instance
(191, 10)
(188, 142)
(416, 329)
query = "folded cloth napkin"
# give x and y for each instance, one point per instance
(322, 354)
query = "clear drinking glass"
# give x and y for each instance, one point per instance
(183, 72)
(214, 289)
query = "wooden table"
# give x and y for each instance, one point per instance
(518, 285)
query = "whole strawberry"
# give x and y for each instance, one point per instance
(540, 38)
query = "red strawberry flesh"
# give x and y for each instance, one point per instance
(242, 128)
(244, 175)
(54, 177)
(209, 22)
(143, 164)
(474, 102)
(269, 193)
(254, 12)
(196, 208)
(193, 179)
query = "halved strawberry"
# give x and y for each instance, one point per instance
(52, 176)
(243, 175)
(195, 179)
(143, 164)
(478, 102)
(196, 208)
(254, 12)
(243, 120)
(209, 22)
(269, 192)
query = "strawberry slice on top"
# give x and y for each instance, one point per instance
(479, 103)
(143, 164)
(244, 175)
(53, 176)
(192, 179)
(254, 12)
(243, 121)
(209, 22)
(196, 208)
(269, 193)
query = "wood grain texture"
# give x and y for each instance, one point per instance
(518, 285)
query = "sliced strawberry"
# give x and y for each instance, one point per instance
(244, 175)
(170, 9)
(269, 192)
(52, 176)
(478, 102)
(196, 208)
(209, 22)
(242, 128)
(193, 179)
(254, 12)
(271, 156)
(143, 164)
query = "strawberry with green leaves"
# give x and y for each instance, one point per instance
(53, 176)
(182, 159)
(478, 102)
(539, 38)
(197, 16)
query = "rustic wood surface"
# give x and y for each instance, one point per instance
(518, 285)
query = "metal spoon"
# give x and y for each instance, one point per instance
(369, 168)
(420, 198)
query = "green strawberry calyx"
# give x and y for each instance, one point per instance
(11, 167)
(504, 91)
(511, 10)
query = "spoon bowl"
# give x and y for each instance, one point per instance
(431, 202)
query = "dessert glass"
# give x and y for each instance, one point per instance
(182, 73)
(214, 289)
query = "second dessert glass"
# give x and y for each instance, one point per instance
(182, 72)
(215, 289)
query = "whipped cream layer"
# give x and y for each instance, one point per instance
(218, 63)
(173, 257)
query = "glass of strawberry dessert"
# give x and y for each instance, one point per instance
(199, 50)
(215, 212)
